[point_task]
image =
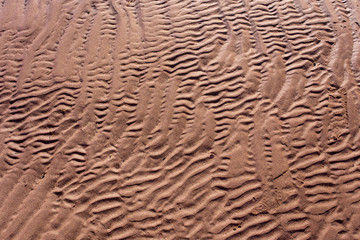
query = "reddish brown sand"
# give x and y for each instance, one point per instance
(180, 119)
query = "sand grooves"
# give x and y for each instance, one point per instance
(179, 119)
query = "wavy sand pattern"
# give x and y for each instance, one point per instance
(180, 119)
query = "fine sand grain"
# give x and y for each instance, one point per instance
(180, 119)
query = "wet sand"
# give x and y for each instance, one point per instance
(215, 119)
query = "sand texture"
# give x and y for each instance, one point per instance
(180, 119)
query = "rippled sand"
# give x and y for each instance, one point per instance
(180, 119)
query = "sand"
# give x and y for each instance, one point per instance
(180, 119)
